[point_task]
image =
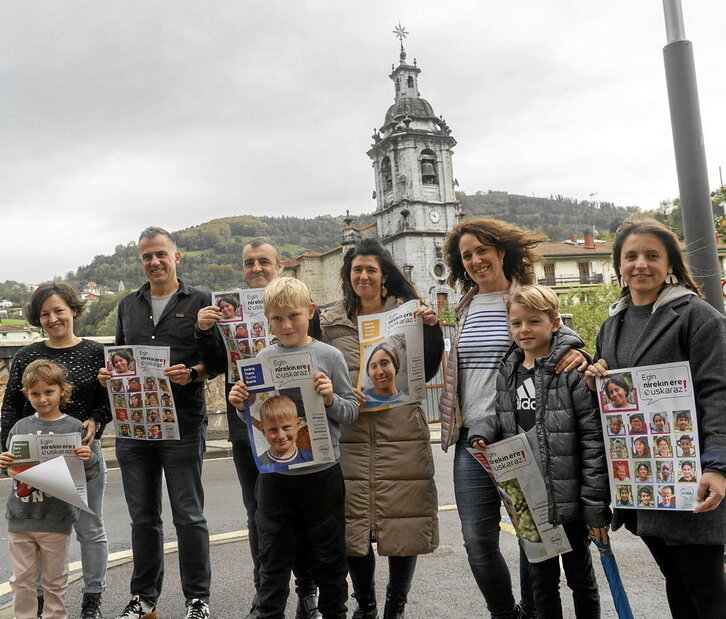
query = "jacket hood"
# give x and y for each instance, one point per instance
(667, 295)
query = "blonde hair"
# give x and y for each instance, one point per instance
(277, 408)
(539, 298)
(51, 373)
(286, 292)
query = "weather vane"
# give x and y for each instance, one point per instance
(401, 33)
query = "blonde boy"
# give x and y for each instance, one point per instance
(558, 415)
(280, 425)
(305, 502)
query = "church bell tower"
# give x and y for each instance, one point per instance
(416, 202)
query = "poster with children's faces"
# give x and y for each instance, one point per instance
(285, 417)
(651, 436)
(391, 358)
(243, 326)
(142, 403)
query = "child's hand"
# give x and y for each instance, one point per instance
(599, 534)
(103, 376)
(238, 395)
(324, 387)
(599, 368)
(359, 396)
(83, 453)
(478, 444)
(6, 459)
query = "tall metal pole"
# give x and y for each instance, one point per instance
(691, 156)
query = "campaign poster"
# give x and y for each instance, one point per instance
(244, 327)
(142, 403)
(286, 418)
(520, 483)
(650, 429)
(391, 358)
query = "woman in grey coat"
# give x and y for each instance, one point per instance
(661, 318)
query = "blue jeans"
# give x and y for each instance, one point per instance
(142, 463)
(91, 533)
(479, 505)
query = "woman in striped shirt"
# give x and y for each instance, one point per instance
(488, 259)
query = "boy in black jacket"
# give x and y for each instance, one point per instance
(559, 416)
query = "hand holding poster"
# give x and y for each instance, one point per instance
(651, 436)
(141, 400)
(46, 462)
(286, 418)
(521, 485)
(391, 358)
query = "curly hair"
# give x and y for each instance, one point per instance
(48, 372)
(647, 225)
(393, 277)
(516, 244)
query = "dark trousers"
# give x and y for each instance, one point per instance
(308, 507)
(694, 575)
(363, 572)
(247, 474)
(142, 464)
(580, 578)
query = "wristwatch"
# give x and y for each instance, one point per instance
(193, 374)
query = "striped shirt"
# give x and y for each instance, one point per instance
(483, 342)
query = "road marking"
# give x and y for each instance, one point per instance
(122, 557)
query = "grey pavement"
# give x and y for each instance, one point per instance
(443, 586)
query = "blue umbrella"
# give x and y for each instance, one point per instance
(610, 567)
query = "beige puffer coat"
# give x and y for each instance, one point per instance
(387, 464)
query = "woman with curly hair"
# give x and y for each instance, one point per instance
(488, 261)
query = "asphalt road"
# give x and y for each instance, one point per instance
(443, 586)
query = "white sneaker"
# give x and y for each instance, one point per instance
(138, 609)
(197, 609)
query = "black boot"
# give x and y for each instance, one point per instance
(367, 607)
(91, 606)
(307, 607)
(395, 605)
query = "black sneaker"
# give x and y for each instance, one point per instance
(91, 606)
(136, 609)
(197, 609)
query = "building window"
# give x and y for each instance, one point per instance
(584, 271)
(428, 168)
(410, 81)
(549, 274)
(386, 176)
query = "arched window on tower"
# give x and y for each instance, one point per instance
(386, 177)
(428, 168)
(410, 81)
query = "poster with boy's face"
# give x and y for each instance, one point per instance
(281, 435)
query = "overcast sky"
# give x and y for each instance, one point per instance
(119, 115)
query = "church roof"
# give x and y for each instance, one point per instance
(415, 107)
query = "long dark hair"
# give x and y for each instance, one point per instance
(676, 259)
(517, 244)
(394, 280)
